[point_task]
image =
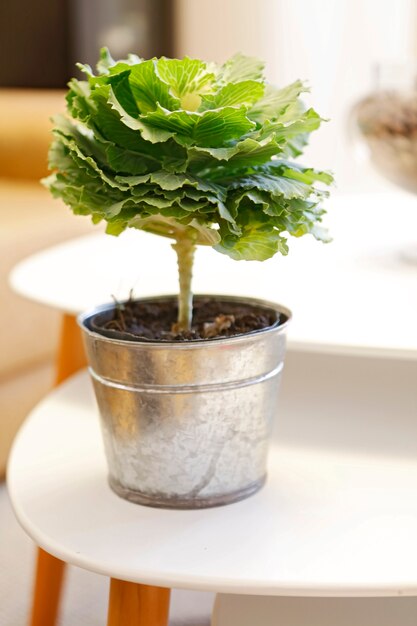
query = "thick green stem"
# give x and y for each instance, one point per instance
(185, 248)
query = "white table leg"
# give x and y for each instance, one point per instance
(240, 610)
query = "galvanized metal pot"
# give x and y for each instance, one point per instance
(187, 424)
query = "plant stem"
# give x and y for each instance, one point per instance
(185, 248)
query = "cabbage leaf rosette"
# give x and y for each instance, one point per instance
(195, 151)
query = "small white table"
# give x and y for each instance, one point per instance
(328, 523)
(355, 296)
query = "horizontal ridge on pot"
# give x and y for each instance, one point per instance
(185, 362)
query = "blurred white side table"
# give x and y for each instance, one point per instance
(356, 296)
(326, 525)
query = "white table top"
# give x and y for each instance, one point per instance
(326, 524)
(356, 295)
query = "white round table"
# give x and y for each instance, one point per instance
(356, 295)
(327, 523)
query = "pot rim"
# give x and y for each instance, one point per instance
(83, 318)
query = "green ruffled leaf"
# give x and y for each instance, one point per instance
(277, 185)
(105, 61)
(188, 79)
(78, 99)
(128, 161)
(307, 175)
(148, 89)
(211, 128)
(122, 90)
(275, 101)
(169, 182)
(245, 93)
(220, 126)
(148, 133)
(247, 152)
(258, 240)
(107, 65)
(308, 122)
(107, 121)
(240, 68)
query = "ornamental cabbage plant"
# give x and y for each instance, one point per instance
(198, 152)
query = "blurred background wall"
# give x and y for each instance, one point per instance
(41, 40)
(334, 45)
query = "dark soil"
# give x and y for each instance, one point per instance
(154, 320)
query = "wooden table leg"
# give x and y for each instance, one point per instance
(71, 355)
(50, 570)
(46, 595)
(131, 604)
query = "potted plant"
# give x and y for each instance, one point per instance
(202, 154)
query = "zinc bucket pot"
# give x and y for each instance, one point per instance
(187, 424)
